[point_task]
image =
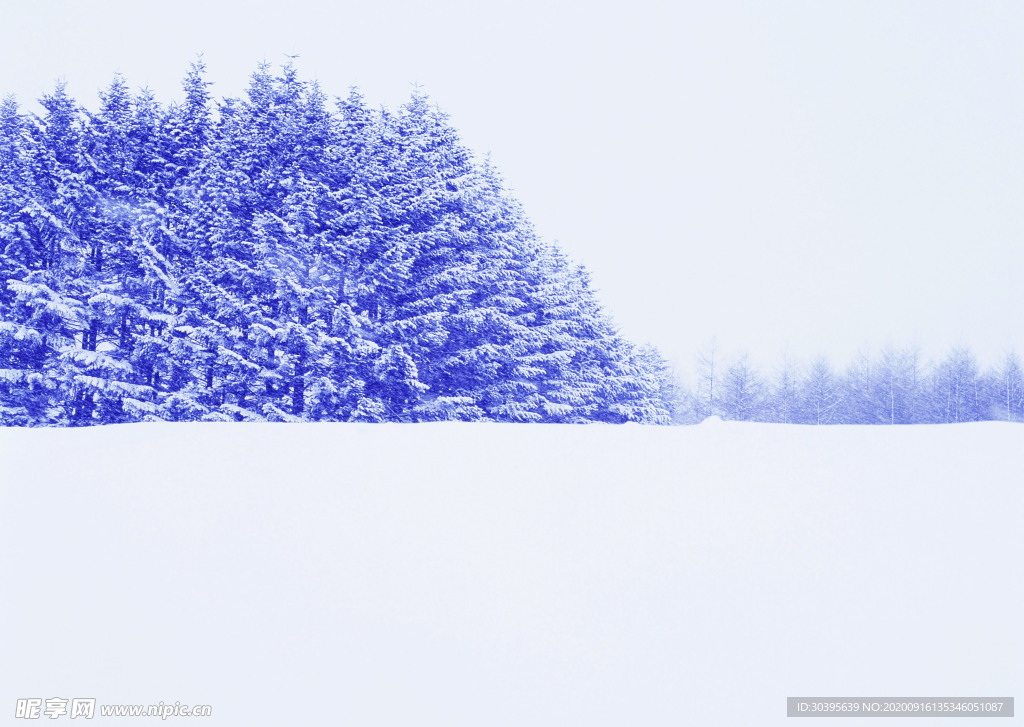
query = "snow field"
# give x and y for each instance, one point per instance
(467, 574)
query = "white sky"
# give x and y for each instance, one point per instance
(827, 177)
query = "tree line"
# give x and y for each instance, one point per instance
(286, 257)
(892, 386)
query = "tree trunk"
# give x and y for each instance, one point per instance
(299, 386)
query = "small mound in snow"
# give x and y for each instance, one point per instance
(713, 419)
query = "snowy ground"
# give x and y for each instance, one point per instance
(527, 575)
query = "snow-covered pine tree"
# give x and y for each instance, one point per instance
(589, 372)
(25, 387)
(433, 171)
(50, 304)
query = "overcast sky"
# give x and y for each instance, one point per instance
(817, 177)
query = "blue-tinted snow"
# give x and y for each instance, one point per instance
(467, 574)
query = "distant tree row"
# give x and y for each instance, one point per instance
(280, 257)
(895, 386)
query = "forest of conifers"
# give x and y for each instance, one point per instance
(285, 257)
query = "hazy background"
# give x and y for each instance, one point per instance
(827, 177)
